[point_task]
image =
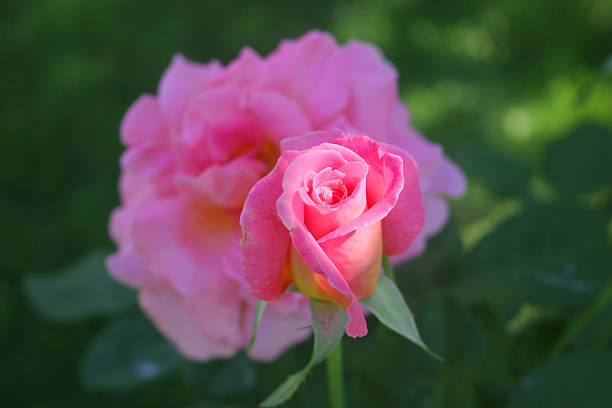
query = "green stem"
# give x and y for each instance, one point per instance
(335, 380)
(590, 312)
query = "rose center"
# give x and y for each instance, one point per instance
(326, 188)
(331, 192)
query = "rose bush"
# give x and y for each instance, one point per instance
(325, 215)
(196, 148)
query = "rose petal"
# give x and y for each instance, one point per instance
(181, 81)
(319, 262)
(130, 269)
(436, 215)
(146, 167)
(311, 71)
(264, 233)
(373, 88)
(144, 123)
(218, 315)
(171, 317)
(394, 181)
(224, 185)
(437, 172)
(314, 160)
(284, 324)
(120, 226)
(321, 220)
(310, 139)
(448, 179)
(416, 248)
(279, 116)
(340, 122)
(405, 221)
(244, 73)
(314, 285)
(184, 243)
(358, 257)
(217, 128)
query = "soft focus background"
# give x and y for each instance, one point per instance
(516, 292)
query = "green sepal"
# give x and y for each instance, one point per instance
(328, 323)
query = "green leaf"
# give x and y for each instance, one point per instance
(81, 290)
(549, 255)
(451, 329)
(6, 299)
(389, 306)
(486, 288)
(439, 265)
(286, 390)
(573, 381)
(215, 404)
(597, 335)
(583, 319)
(606, 67)
(260, 307)
(581, 162)
(237, 375)
(126, 354)
(328, 322)
(501, 173)
(605, 70)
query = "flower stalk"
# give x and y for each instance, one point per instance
(335, 378)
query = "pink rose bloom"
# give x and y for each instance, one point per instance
(353, 88)
(195, 150)
(325, 215)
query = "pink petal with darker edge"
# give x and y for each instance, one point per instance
(265, 240)
(405, 221)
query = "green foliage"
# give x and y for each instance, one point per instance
(217, 405)
(573, 381)
(581, 162)
(259, 311)
(389, 306)
(328, 323)
(81, 290)
(125, 354)
(543, 256)
(236, 376)
(501, 173)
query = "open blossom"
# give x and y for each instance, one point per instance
(325, 215)
(193, 152)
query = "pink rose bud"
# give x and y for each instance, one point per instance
(323, 218)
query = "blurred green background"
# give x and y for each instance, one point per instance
(515, 292)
